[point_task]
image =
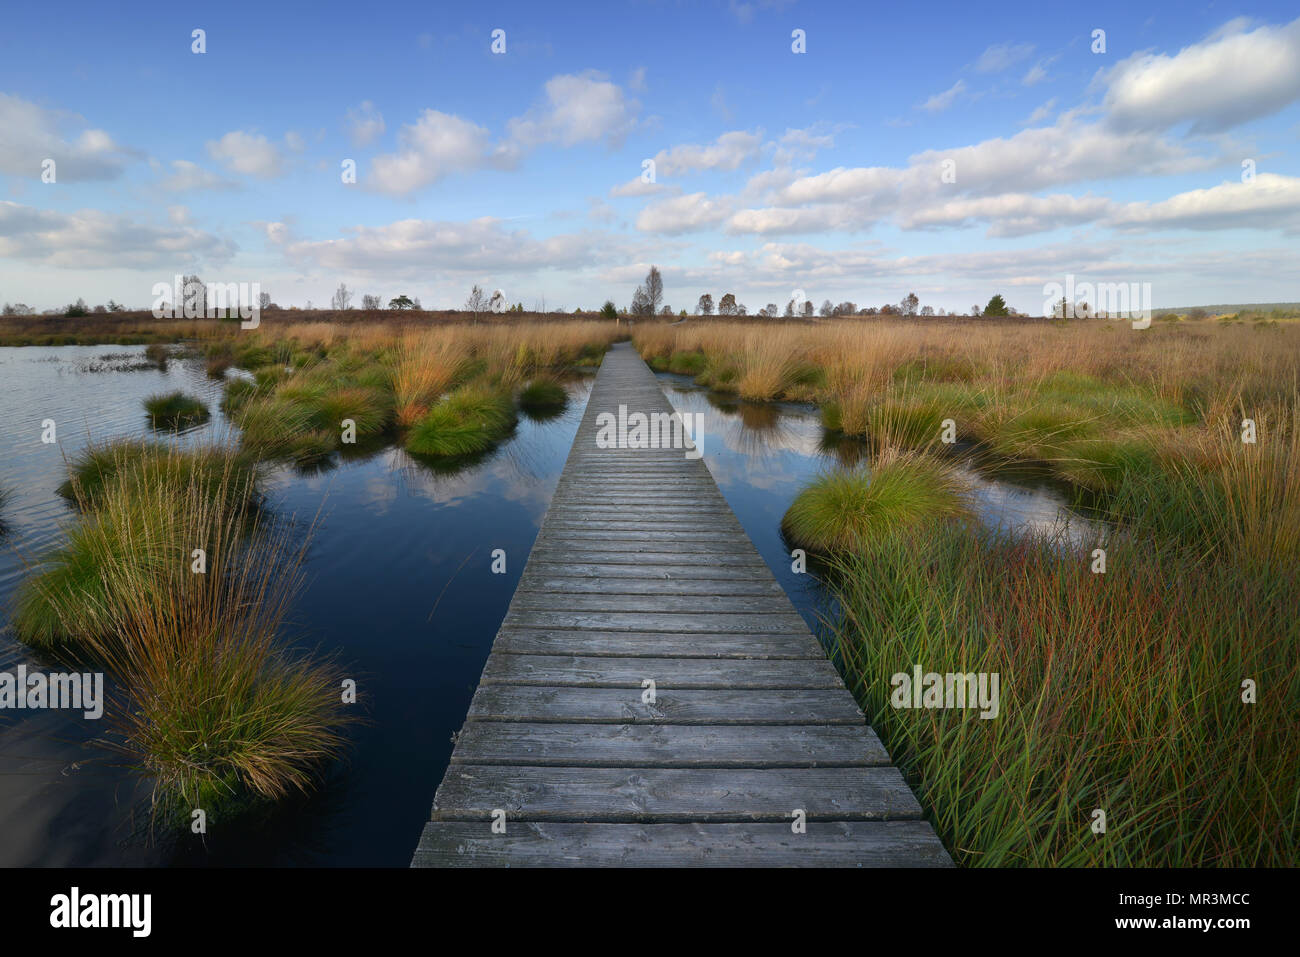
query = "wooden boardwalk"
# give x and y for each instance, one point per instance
(641, 572)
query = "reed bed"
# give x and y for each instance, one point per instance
(1121, 690)
(177, 583)
(437, 390)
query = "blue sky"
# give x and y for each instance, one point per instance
(821, 171)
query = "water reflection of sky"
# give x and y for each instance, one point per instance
(762, 455)
(399, 586)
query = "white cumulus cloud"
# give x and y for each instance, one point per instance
(1234, 76)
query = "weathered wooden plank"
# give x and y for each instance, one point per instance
(667, 673)
(545, 553)
(677, 571)
(675, 513)
(544, 844)
(580, 490)
(577, 492)
(628, 644)
(676, 524)
(579, 534)
(668, 745)
(664, 602)
(682, 623)
(472, 792)
(646, 583)
(494, 702)
(667, 549)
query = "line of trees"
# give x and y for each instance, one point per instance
(647, 300)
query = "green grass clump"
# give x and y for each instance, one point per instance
(211, 469)
(842, 510)
(175, 410)
(1039, 433)
(269, 424)
(720, 372)
(267, 377)
(238, 392)
(127, 537)
(1101, 464)
(370, 409)
(209, 703)
(590, 356)
(543, 396)
(310, 447)
(97, 464)
(1119, 691)
(685, 363)
(252, 357)
(1117, 404)
(908, 421)
(469, 420)
(70, 596)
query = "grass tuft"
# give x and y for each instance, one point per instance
(845, 510)
(469, 420)
(175, 410)
(543, 396)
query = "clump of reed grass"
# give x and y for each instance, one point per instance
(269, 424)
(844, 510)
(216, 365)
(214, 708)
(211, 468)
(1101, 464)
(369, 409)
(1120, 691)
(426, 366)
(254, 355)
(210, 704)
(175, 410)
(763, 373)
(469, 420)
(1215, 494)
(238, 392)
(543, 396)
(73, 593)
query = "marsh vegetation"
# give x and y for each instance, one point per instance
(178, 578)
(1122, 690)
(1126, 690)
